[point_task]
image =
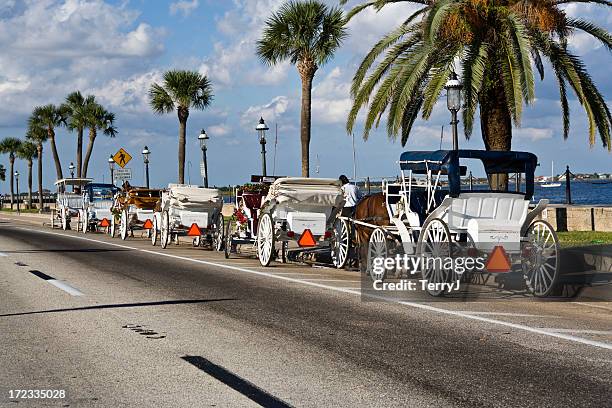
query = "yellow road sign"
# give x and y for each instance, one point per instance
(122, 158)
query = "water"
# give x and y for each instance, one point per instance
(583, 192)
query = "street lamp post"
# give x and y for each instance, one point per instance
(111, 166)
(453, 102)
(145, 154)
(203, 137)
(261, 131)
(18, 196)
(71, 168)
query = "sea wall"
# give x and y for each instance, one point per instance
(579, 217)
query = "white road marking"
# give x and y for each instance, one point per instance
(3, 254)
(578, 331)
(510, 314)
(421, 306)
(66, 287)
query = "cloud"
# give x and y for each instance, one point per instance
(220, 129)
(131, 94)
(331, 97)
(184, 7)
(271, 112)
(533, 134)
(50, 48)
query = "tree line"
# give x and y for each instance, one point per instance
(77, 113)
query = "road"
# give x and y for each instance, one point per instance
(121, 323)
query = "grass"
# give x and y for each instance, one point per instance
(582, 238)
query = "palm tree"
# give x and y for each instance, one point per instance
(38, 136)
(181, 90)
(49, 117)
(307, 33)
(2, 173)
(498, 45)
(10, 146)
(97, 118)
(28, 152)
(76, 108)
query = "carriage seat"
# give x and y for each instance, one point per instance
(502, 209)
(73, 200)
(253, 200)
(418, 202)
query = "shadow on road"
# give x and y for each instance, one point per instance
(121, 305)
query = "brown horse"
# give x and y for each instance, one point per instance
(372, 210)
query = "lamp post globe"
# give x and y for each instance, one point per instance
(203, 138)
(261, 132)
(453, 103)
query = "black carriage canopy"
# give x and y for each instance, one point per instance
(447, 162)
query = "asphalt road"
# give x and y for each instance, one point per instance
(120, 323)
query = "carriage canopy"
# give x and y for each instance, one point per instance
(494, 162)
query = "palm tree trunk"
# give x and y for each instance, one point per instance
(40, 181)
(58, 163)
(307, 70)
(30, 184)
(92, 138)
(79, 153)
(12, 163)
(183, 114)
(496, 127)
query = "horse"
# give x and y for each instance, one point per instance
(372, 210)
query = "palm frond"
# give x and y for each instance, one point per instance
(161, 102)
(473, 76)
(521, 45)
(594, 30)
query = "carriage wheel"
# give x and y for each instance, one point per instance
(154, 230)
(113, 226)
(164, 229)
(265, 240)
(341, 243)
(65, 222)
(85, 222)
(435, 243)
(377, 248)
(227, 236)
(218, 233)
(541, 259)
(124, 227)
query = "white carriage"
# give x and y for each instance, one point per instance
(97, 203)
(427, 221)
(69, 202)
(297, 209)
(133, 210)
(192, 211)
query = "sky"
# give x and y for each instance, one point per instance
(115, 50)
